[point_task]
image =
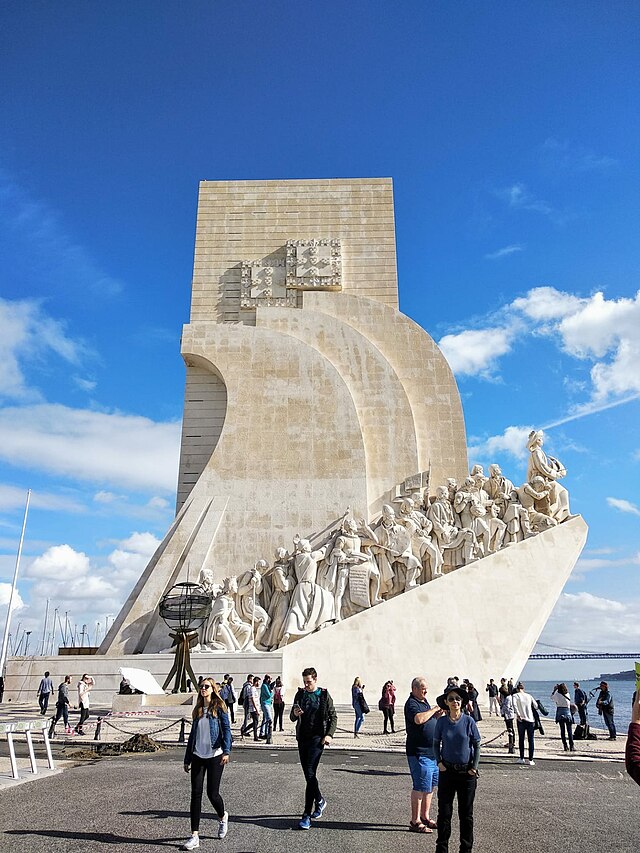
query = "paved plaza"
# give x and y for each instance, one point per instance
(140, 802)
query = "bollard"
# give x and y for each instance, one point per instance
(181, 735)
(98, 729)
(52, 727)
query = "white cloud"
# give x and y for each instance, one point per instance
(5, 594)
(518, 197)
(87, 587)
(623, 505)
(158, 503)
(512, 442)
(476, 351)
(504, 252)
(591, 623)
(547, 303)
(27, 334)
(570, 157)
(36, 233)
(60, 562)
(110, 448)
(12, 498)
(604, 332)
(85, 384)
(141, 543)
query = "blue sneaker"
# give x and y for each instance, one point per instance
(320, 807)
(305, 822)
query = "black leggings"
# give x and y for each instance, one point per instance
(213, 768)
(278, 711)
(387, 713)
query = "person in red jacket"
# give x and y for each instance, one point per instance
(632, 753)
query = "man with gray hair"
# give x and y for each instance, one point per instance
(420, 721)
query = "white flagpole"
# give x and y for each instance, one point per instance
(3, 653)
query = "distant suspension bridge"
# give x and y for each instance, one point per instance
(576, 654)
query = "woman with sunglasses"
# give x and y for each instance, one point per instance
(207, 754)
(456, 744)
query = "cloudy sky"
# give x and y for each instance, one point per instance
(510, 131)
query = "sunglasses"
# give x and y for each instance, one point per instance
(205, 687)
(454, 699)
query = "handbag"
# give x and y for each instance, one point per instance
(363, 704)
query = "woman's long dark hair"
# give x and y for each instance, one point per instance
(216, 702)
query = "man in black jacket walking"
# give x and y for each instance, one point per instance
(316, 720)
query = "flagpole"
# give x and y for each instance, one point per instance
(3, 653)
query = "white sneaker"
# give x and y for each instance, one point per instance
(191, 843)
(521, 761)
(223, 825)
(531, 762)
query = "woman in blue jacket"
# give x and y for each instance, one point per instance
(207, 754)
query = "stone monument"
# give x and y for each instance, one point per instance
(323, 426)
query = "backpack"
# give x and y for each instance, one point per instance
(243, 694)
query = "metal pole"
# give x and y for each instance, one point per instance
(44, 630)
(3, 653)
(26, 645)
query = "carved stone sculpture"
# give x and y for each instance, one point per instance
(458, 545)
(348, 567)
(552, 470)
(535, 498)
(250, 585)
(420, 529)
(394, 548)
(311, 606)
(282, 582)
(225, 630)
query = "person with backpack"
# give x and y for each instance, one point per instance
(228, 695)
(278, 704)
(243, 701)
(316, 720)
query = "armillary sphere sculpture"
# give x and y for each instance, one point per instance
(185, 609)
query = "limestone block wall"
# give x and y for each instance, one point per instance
(240, 220)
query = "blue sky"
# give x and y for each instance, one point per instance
(510, 131)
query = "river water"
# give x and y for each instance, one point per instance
(622, 692)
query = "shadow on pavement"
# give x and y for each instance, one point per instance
(101, 837)
(371, 772)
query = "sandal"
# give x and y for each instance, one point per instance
(430, 823)
(419, 827)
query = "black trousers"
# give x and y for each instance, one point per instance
(43, 701)
(84, 716)
(524, 726)
(582, 713)
(278, 712)
(211, 768)
(232, 716)
(452, 782)
(310, 751)
(387, 713)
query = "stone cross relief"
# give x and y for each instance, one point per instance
(305, 265)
